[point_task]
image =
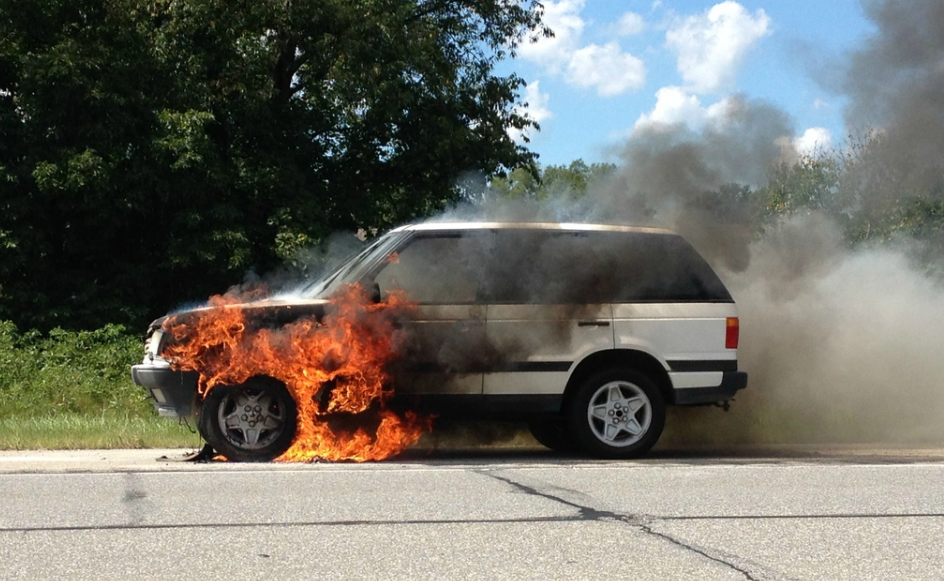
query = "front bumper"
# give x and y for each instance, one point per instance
(731, 383)
(174, 392)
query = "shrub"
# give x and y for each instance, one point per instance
(69, 372)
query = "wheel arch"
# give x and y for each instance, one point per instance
(260, 377)
(628, 358)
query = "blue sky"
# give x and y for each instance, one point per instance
(615, 67)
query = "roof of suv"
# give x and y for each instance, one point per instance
(566, 226)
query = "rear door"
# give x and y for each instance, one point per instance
(540, 344)
(543, 316)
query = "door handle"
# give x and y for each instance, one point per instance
(593, 323)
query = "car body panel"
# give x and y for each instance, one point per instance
(437, 335)
(541, 344)
(687, 338)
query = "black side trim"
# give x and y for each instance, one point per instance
(509, 366)
(535, 366)
(704, 365)
(731, 383)
(476, 406)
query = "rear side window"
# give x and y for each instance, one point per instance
(665, 268)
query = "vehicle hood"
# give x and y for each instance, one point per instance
(264, 313)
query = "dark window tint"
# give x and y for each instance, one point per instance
(658, 267)
(534, 266)
(437, 269)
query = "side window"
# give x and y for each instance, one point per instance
(432, 270)
(664, 268)
(549, 267)
(686, 276)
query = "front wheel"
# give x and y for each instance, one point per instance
(617, 413)
(252, 422)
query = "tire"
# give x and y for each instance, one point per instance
(553, 433)
(617, 413)
(263, 430)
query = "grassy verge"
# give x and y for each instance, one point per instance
(78, 432)
(73, 389)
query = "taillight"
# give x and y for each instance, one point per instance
(731, 333)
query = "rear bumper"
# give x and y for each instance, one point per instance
(173, 392)
(731, 383)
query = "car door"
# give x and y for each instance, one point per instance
(542, 317)
(542, 343)
(447, 323)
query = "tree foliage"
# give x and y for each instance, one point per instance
(554, 181)
(153, 151)
(863, 190)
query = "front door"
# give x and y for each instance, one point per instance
(443, 336)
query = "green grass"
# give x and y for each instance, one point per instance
(73, 389)
(78, 432)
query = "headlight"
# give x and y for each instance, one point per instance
(154, 346)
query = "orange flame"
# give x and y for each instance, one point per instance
(346, 352)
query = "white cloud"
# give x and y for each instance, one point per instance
(674, 106)
(564, 19)
(607, 68)
(814, 141)
(711, 46)
(630, 23)
(537, 102)
(820, 104)
(535, 108)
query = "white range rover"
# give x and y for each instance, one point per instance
(585, 331)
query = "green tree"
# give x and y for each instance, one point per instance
(153, 151)
(520, 183)
(809, 184)
(554, 181)
(575, 179)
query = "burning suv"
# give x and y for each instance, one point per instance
(584, 331)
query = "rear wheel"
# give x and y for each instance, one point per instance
(617, 413)
(252, 422)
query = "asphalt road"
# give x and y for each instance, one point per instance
(768, 514)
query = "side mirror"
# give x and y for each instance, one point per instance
(375, 293)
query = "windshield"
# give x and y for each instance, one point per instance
(353, 269)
